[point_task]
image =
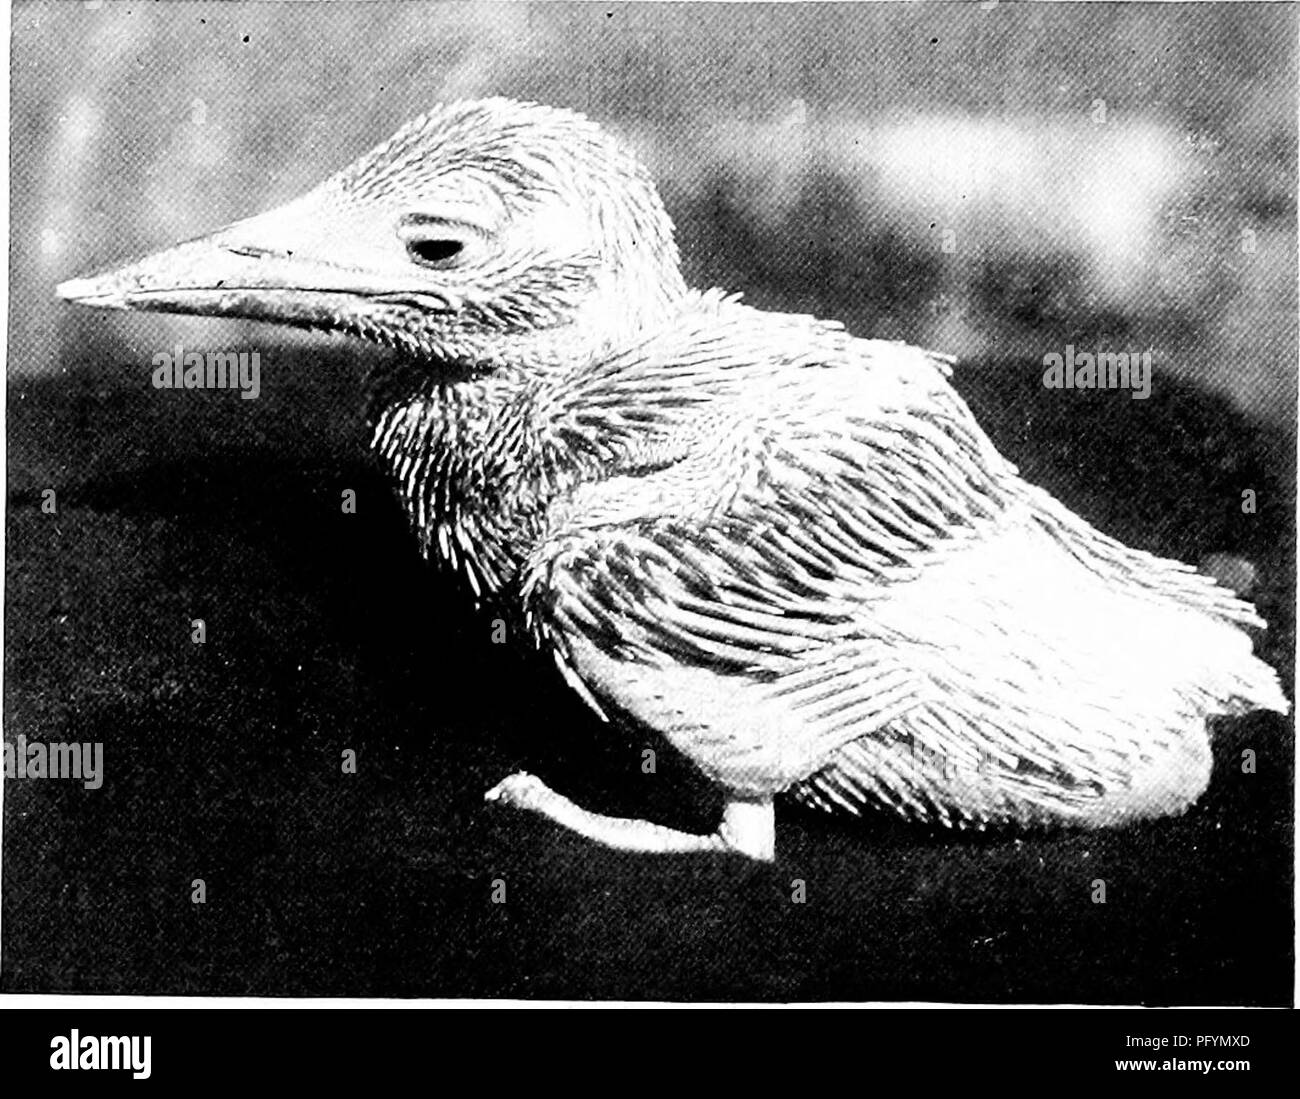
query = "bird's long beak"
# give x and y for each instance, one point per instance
(261, 268)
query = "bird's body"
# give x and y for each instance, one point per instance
(791, 553)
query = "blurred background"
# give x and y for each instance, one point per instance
(986, 179)
(992, 180)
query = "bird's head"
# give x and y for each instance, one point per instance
(481, 234)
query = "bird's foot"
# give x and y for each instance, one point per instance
(748, 827)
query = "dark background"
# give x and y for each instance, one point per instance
(811, 156)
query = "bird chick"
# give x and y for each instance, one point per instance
(789, 552)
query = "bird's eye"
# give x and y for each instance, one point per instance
(437, 241)
(436, 252)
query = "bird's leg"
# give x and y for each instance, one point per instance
(748, 827)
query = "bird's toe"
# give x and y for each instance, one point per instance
(521, 789)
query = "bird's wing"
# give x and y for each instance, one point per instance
(805, 542)
(772, 487)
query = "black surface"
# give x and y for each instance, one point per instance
(325, 632)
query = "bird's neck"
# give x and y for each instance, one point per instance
(459, 451)
(480, 456)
